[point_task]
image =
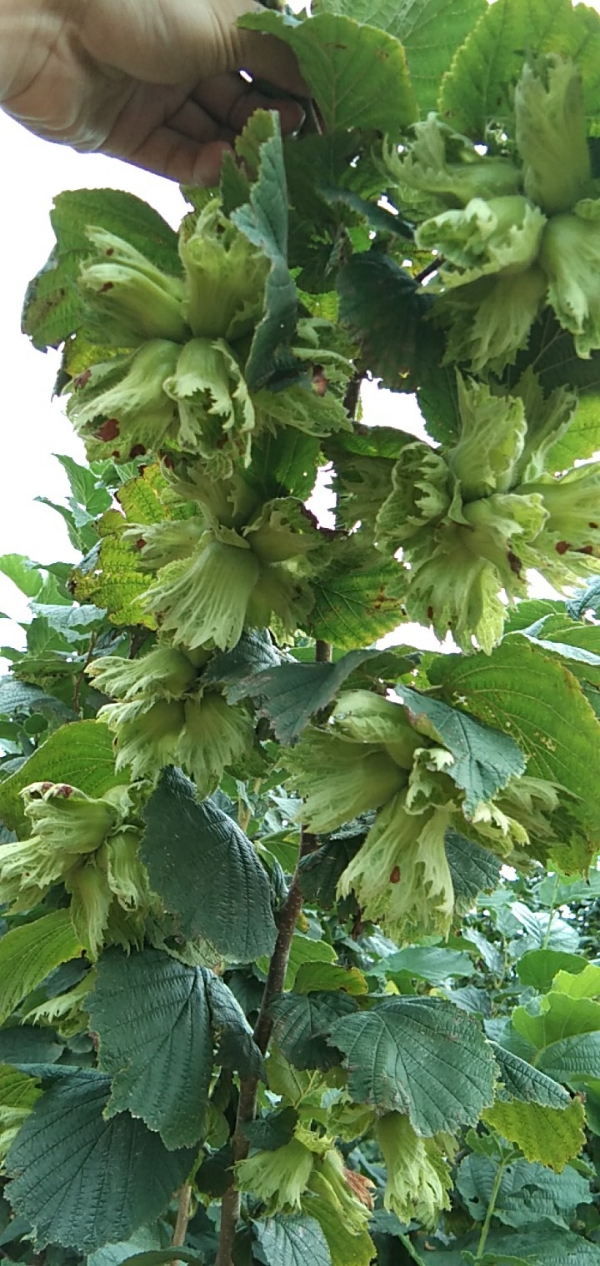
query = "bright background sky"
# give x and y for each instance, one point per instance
(33, 427)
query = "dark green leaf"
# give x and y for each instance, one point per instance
(254, 654)
(527, 1084)
(272, 1131)
(25, 1044)
(291, 1241)
(18, 697)
(473, 868)
(484, 759)
(291, 694)
(302, 1023)
(321, 870)
(207, 872)
(386, 312)
(427, 962)
(539, 967)
(152, 1016)
(527, 1192)
(83, 1181)
(421, 1056)
(236, 1046)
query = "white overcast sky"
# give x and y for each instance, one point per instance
(34, 427)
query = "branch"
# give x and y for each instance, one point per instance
(183, 1217)
(286, 923)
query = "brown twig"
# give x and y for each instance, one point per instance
(184, 1207)
(286, 923)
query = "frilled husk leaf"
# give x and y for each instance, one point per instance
(147, 734)
(551, 134)
(163, 673)
(421, 495)
(215, 735)
(400, 875)
(131, 299)
(340, 778)
(216, 414)
(501, 235)
(488, 321)
(418, 1179)
(427, 182)
(225, 277)
(570, 257)
(492, 437)
(204, 599)
(121, 405)
(277, 1178)
(366, 717)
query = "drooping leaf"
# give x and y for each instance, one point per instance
(484, 759)
(538, 702)
(387, 314)
(23, 1044)
(291, 1241)
(263, 220)
(81, 1180)
(207, 872)
(80, 754)
(253, 655)
(28, 953)
(418, 1055)
(291, 694)
(552, 1136)
(321, 870)
(473, 868)
(21, 698)
(303, 1021)
(356, 74)
(236, 1048)
(152, 1016)
(272, 1131)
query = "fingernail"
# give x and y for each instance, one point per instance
(292, 116)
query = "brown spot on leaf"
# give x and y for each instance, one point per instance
(561, 547)
(108, 431)
(395, 875)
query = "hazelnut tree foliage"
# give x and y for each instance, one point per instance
(241, 845)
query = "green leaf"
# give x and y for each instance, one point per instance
(152, 1016)
(484, 758)
(387, 314)
(207, 872)
(352, 607)
(572, 1060)
(304, 949)
(527, 1191)
(321, 870)
(30, 579)
(83, 1181)
(478, 86)
(53, 307)
(20, 698)
(291, 1241)
(537, 701)
(552, 1136)
(473, 868)
(523, 1082)
(253, 655)
(263, 220)
(583, 983)
(302, 1023)
(291, 694)
(23, 1044)
(29, 952)
(427, 962)
(80, 754)
(430, 32)
(162, 1256)
(236, 1048)
(273, 1131)
(356, 74)
(421, 1056)
(539, 967)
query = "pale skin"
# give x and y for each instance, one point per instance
(154, 82)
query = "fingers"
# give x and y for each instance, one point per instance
(231, 101)
(169, 153)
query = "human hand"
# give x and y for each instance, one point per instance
(154, 82)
